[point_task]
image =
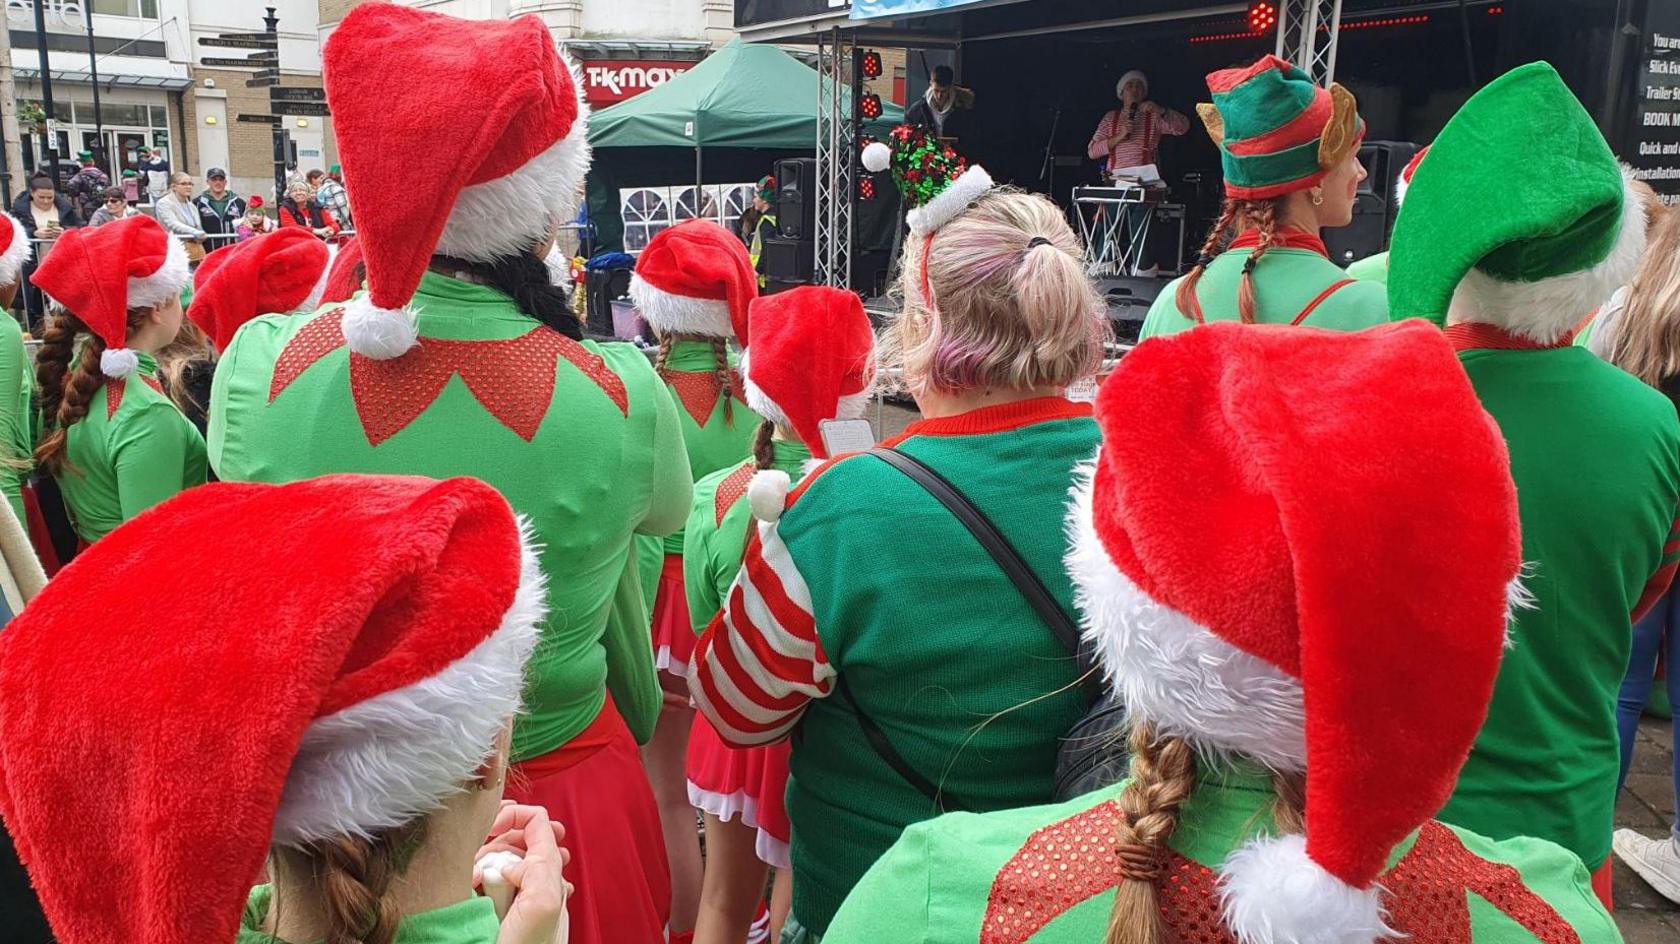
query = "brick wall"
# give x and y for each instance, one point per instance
(250, 145)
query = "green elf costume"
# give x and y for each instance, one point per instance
(693, 284)
(1278, 133)
(1511, 263)
(1306, 656)
(131, 447)
(436, 371)
(17, 381)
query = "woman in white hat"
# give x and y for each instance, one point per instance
(1130, 135)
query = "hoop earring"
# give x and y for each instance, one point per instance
(1318, 199)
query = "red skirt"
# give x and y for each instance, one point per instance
(596, 787)
(749, 783)
(673, 634)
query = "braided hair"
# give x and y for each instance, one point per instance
(1163, 776)
(355, 876)
(1234, 215)
(764, 448)
(66, 391)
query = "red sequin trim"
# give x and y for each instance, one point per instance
(512, 379)
(1058, 867)
(698, 391)
(114, 393)
(1428, 890)
(732, 488)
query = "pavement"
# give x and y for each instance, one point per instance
(1646, 802)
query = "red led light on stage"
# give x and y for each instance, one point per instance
(1389, 21)
(866, 189)
(1262, 16)
(872, 65)
(870, 106)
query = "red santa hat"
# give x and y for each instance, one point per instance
(14, 250)
(168, 718)
(99, 273)
(275, 273)
(501, 107)
(1277, 559)
(695, 278)
(1405, 179)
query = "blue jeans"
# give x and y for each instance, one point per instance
(1648, 634)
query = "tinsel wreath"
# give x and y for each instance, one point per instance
(922, 165)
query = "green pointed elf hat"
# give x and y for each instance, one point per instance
(1520, 216)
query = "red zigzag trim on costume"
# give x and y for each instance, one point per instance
(698, 391)
(512, 379)
(115, 389)
(730, 490)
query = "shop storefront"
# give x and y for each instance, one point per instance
(128, 119)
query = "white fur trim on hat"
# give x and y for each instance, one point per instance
(767, 494)
(379, 333)
(118, 362)
(383, 762)
(165, 281)
(514, 213)
(312, 302)
(1544, 310)
(16, 254)
(1274, 893)
(670, 313)
(951, 202)
(1401, 185)
(1119, 87)
(1173, 672)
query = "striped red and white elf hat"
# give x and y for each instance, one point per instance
(1270, 567)
(99, 273)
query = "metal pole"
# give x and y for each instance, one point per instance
(272, 24)
(99, 153)
(12, 169)
(50, 151)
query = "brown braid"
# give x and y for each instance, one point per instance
(1289, 808)
(720, 362)
(1185, 297)
(764, 448)
(665, 341)
(355, 878)
(66, 392)
(1260, 215)
(1163, 777)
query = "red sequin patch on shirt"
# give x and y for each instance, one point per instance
(1069, 862)
(698, 391)
(114, 393)
(512, 379)
(730, 490)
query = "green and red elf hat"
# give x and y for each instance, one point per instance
(1277, 130)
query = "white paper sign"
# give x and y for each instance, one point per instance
(1083, 391)
(840, 436)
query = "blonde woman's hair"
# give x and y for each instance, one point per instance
(1006, 304)
(1647, 336)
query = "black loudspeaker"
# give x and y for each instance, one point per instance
(1374, 208)
(796, 197)
(788, 260)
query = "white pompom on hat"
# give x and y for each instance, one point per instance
(99, 273)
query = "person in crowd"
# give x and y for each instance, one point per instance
(180, 216)
(1523, 266)
(155, 168)
(300, 209)
(130, 184)
(945, 107)
(580, 435)
(17, 385)
(759, 223)
(114, 442)
(1296, 716)
(87, 186)
(998, 320)
(363, 740)
(45, 215)
(255, 221)
(1130, 135)
(1646, 344)
(1263, 261)
(330, 193)
(115, 207)
(811, 361)
(313, 178)
(692, 285)
(220, 210)
(276, 274)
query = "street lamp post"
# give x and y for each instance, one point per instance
(100, 155)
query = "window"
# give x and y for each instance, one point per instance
(648, 211)
(140, 8)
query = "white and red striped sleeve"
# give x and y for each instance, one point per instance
(760, 662)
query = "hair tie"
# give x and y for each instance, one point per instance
(1204, 259)
(1038, 241)
(1138, 862)
(1248, 266)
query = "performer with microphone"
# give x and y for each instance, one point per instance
(1129, 135)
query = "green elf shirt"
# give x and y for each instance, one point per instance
(580, 437)
(715, 539)
(1596, 459)
(967, 683)
(16, 391)
(1294, 283)
(133, 450)
(1046, 875)
(472, 921)
(1370, 269)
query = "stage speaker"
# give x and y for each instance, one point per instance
(1374, 208)
(788, 260)
(796, 197)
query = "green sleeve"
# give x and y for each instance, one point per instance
(673, 483)
(1164, 316)
(14, 414)
(890, 903)
(215, 432)
(631, 677)
(650, 562)
(699, 582)
(1370, 269)
(149, 448)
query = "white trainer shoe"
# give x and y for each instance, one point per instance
(1657, 861)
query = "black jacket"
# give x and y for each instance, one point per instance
(224, 225)
(67, 215)
(959, 122)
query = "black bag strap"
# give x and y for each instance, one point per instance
(942, 799)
